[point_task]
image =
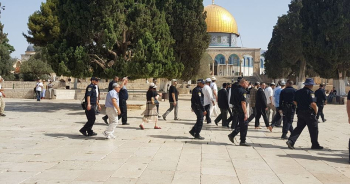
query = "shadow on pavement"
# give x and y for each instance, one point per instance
(73, 136)
(169, 137)
(312, 157)
(206, 142)
(94, 123)
(42, 107)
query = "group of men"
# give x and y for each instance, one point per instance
(116, 106)
(284, 101)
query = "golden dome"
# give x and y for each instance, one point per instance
(219, 20)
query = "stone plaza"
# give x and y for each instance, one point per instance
(40, 143)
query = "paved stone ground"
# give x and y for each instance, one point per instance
(40, 143)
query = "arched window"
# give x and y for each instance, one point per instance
(262, 63)
(220, 59)
(233, 60)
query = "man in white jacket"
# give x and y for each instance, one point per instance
(208, 99)
(214, 88)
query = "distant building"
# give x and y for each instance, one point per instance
(24, 57)
(228, 58)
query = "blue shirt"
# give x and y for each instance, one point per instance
(277, 96)
(111, 95)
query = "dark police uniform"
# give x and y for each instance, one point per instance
(306, 117)
(288, 107)
(349, 139)
(90, 114)
(197, 102)
(242, 127)
(123, 97)
(320, 95)
(233, 115)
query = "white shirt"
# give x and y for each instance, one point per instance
(0, 92)
(96, 90)
(208, 95)
(38, 86)
(268, 93)
(214, 87)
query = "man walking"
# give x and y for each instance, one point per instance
(123, 97)
(214, 88)
(234, 116)
(306, 110)
(252, 102)
(261, 107)
(173, 100)
(321, 101)
(110, 87)
(277, 119)
(208, 99)
(112, 110)
(223, 105)
(91, 103)
(2, 96)
(287, 107)
(197, 106)
(269, 101)
(241, 108)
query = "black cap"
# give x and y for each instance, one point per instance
(94, 78)
(239, 79)
(200, 81)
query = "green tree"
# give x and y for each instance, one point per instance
(107, 38)
(36, 67)
(285, 51)
(186, 19)
(326, 39)
(204, 68)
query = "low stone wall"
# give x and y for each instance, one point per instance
(20, 93)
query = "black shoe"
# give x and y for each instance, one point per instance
(284, 136)
(159, 116)
(105, 119)
(125, 123)
(2, 115)
(83, 132)
(192, 133)
(243, 144)
(324, 120)
(290, 144)
(176, 119)
(317, 147)
(231, 138)
(164, 118)
(92, 134)
(199, 137)
(216, 123)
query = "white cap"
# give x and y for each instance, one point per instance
(208, 80)
(174, 80)
(213, 78)
(152, 85)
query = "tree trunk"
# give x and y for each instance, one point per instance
(301, 76)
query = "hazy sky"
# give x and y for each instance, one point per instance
(255, 19)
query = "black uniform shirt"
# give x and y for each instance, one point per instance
(287, 96)
(233, 87)
(110, 86)
(197, 99)
(304, 97)
(349, 95)
(172, 90)
(91, 92)
(239, 96)
(320, 95)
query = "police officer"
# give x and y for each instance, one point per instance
(123, 97)
(287, 107)
(239, 103)
(197, 102)
(321, 101)
(91, 103)
(306, 111)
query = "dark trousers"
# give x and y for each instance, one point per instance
(91, 116)
(207, 108)
(222, 116)
(261, 112)
(288, 118)
(277, 119)
(37, 95)
(252, 116)
(242, 128)
(197, 128)
(233, 118)
(320, 111)
(305, 118)
(157, 109)
(123, 111)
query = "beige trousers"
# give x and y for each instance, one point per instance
(2, 105)
(112, 114)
